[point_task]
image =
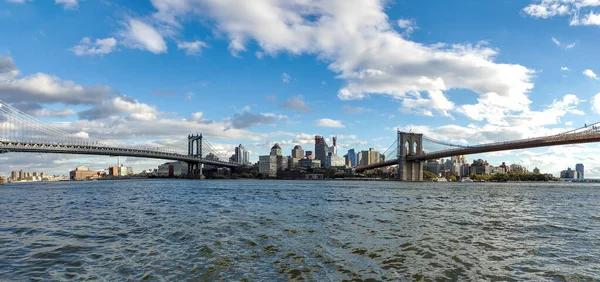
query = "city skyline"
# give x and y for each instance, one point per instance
(147, 74)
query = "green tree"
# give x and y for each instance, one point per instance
(428, 175)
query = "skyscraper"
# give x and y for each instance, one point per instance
(321, 149)
(276, 150)
(352, 157)
(297, 152)
(579, 169)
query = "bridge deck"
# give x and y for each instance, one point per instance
(28, 147)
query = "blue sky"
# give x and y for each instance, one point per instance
(145, 73)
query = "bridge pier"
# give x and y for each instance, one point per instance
(410, 144)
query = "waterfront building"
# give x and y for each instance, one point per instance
(579, 169)
(241, 155)
(369, 157)
(352, 157)
(212, 157)
(84, 173)
(309, 155)
(433, 166)
(267, 165)
(333, 149)
(297, 152)
(569, 173)
(21, 175)
(270, 164)
(465, 170)
(14, 176)
(309, 163)
(334, 161)
(518, 168)
(172, 169)
(321, 149)
(276, 150)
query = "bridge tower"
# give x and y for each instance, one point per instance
(195, 142)
(409, 144)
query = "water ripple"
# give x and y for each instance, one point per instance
(293, 231)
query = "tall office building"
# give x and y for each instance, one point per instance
(297, 152)
(241, 155)
(352, 157)
(321, 149)
(579, 169)
(276, 150)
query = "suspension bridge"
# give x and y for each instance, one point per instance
(20, 132)
(410, 150)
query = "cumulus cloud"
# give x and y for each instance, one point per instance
(408, 25)
(45, 88)
(591, 74)
(247, 119)
(192, 48)
(326, 122)
(361, 46)
(285, 77)
(141, 35)
(68, 4)
(564, 68)
(296, 103)
(596, 103)
(97, 47)
(119, 106)
(578, 10)
(436, 101)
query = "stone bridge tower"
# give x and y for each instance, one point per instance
(409, 144)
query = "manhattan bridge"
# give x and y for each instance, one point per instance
(21, 132)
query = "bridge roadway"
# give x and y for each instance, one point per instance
(561, 139)
(31, 147)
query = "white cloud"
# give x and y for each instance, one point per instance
(570, 45)
(408, 25)
(569, 123)
(285, 77)
(596, 103)
(573, 8)
(564, 68)
(296, 103)
(45, 88)
(140, 35)
(189, 95)
(192, 48)
(589, 73)
(325, 122)
(556, 41)
(68, 4)
(437, 101)
(361, 46)
(98, 47)
(121, 105)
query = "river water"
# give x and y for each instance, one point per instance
(294, 230)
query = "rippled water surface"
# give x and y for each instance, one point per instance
(287, 230)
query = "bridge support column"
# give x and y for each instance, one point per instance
(410, 144)
(195, 150)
